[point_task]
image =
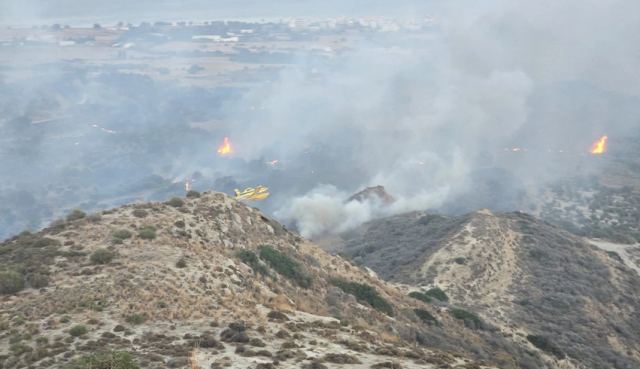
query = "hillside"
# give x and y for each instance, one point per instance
(531, 279)
(207, 282)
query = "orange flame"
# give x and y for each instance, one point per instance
(225, 148)
(600, 146)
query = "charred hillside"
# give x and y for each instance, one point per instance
(542, 286)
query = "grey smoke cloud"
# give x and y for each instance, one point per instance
(422, 113)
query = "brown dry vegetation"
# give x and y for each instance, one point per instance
(184, 298)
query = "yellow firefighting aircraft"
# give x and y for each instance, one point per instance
(252, 193)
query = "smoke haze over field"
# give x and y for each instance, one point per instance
(420, 115)
(87, 12)
(427, 113)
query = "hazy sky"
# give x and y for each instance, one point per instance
(27, 11)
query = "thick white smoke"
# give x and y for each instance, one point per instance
(418, 114)
(324, 209)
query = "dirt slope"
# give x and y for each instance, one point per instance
(577, 304)
(207, 282)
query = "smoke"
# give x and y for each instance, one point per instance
(323, 209)
(426, 111)
(420, 114)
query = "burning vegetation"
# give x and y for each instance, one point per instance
(599, 147)
(225, 148)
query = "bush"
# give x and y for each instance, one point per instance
(94, 218)
(285, 265)
(420, 296)
(104, 360)
(37, 280)
(176, 202)
(193, 194)
(11, 282)
(147, 233)
(250, 258)
(545, 344)
(437, 294)
(433, 293)
(45, 241)
(140, 213)
(136, 318)
(470, 319)
(102, 256)
(122, 234)
(425, 316)
(76, 215)
(78, 330)
(365, 293)
(539, 255)
(182, 263)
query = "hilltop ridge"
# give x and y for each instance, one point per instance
(537, 282)
(208, 282)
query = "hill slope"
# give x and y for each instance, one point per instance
(208, 282)
(529, 278)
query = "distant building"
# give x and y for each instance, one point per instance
(215, 38)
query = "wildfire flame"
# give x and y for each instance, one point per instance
(225, 148)
(600, 146)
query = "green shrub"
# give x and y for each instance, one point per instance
(136, 318)
(147, 233)
(140, 213)
(76, 215)
(37, 280)
(162, 305)
(45, 241)
(539, 255)
(176, 202)
(545, 344)
(249, 257)
(470, 319)
(94, 218)
(425, 316)
(78, 330)
(11, 282)
(193, 194)
(102, 256)
(104, 360)
(428, 296)
(615, 256)
(20, 348)
(285, 265)
(437, 294)
(365, 293)
(122, 234)
(420, 296)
